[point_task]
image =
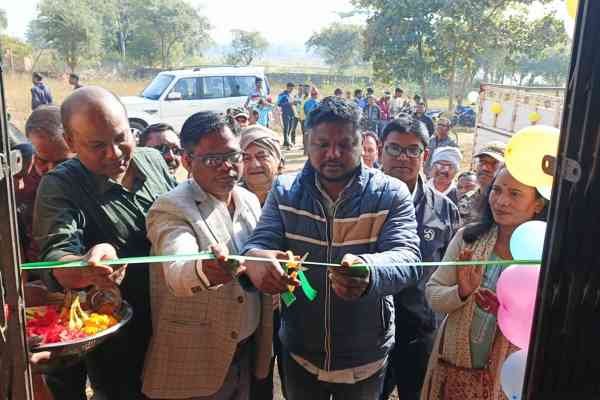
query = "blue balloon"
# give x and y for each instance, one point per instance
(512, 374)
(527, 241)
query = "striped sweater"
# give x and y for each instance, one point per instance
(374, 218)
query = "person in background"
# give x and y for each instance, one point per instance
(285, 102)
(300, 108)
(348, 95)
(488, 160)
(370, 154)
(404, 151)
(264, 109)
(398, 104)
(370, 92)
(469, 349)
(343, 350)
(385, 106)
(466, 182)
(372, 115)
(255, 95)
(446, 162)
(420, 109)
(263, 162)
(163, 138)
(338, 92)
(40, 93)
(74, 81)
(309, 105)
(209, 335)
(93, 207)
(254, 117)
(240, 115)
(360, 101)
(440, 139)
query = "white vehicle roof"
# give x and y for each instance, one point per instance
(216, 71)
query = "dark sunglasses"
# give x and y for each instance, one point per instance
(164, 149)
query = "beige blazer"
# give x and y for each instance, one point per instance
(196, 329)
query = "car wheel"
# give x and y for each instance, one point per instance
(136, 128)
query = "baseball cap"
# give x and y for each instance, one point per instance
(493, 149)
(239, 112)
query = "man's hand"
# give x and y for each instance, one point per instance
(269, 277)
(347, 284)
(468, 277)
(487, 300)
(95, 273)
(219, 271)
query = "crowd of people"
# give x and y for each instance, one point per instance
(381, 188)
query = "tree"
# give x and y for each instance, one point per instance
(3, 20)
(119, 23)
(341, 45)
(70, 27)
(168, 26)
(246, 47)
(398, 39)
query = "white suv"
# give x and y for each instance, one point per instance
(173, 96)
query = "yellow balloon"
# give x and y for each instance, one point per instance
(496, 108)
(525, 152)
(572, 6)
(534, 117)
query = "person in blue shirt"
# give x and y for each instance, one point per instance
(40, 94)
(285, 102)
(309, 105)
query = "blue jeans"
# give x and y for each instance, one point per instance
(302, 385)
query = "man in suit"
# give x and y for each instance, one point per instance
(206, 328)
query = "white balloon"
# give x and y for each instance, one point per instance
(512, 375)
(473, 97)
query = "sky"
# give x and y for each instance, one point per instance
(280, 21)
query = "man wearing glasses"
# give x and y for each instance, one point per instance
(209, 334)
(404, 150)
(440, 139)
(163, 138)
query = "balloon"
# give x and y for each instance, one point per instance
(534, 117)
(512, 374)
(516, 290)
(527, 241)
(473, 97)
(572, 6)
(545, 191)
(496, 108)
(525, 152)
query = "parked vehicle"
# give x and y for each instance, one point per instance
(464, 116)
(173, 96)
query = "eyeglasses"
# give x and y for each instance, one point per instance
(216, 160)
(395, 150)
(164, 149)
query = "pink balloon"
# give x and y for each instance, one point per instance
(516, 290)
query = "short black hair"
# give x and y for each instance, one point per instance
(338, 92)
(37, 76)
(74, 76)
(370, 90)
(290, 84)
(357, 92)
(409, 125)
(399, 90)
(159, 127)
(199, 125)
(333, 109)
(258, 79)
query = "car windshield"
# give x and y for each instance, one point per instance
(157, 86)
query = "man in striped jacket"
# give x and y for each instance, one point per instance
(338, 211)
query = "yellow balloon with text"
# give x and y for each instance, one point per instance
(572, 6)
(525, 153)
(496, 108)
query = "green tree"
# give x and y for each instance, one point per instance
(168, 27)
(341, 45)
(3, 20)
(119, 23)
(70, 27)
(246, 47)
